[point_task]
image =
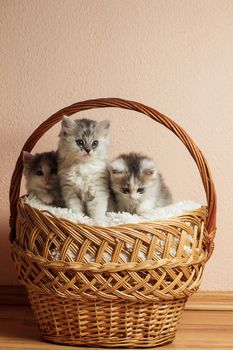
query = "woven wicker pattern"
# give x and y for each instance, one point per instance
(41, 234)
(116, 323)
(143, 277)
(113, 286)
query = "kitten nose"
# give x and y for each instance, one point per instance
(88, 150)
(47, 179)
(133, 196)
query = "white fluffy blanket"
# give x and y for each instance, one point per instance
(114, 219)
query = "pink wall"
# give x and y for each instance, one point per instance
(175, 56)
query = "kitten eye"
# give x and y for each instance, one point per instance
(95, 143)
(115, 171)
(125, 189)
(80, 142)
(140, 190)
(39, 173)
(53, 171)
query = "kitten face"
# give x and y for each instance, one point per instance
(41, 170)
(132, 175)
(86, 139)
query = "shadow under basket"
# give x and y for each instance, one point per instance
(123, 286)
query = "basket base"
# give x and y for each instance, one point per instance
(103, 344)
(106, 323)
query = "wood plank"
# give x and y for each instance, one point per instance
(210, 301)
(13, 295)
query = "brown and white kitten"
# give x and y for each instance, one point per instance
(40, 171)
(137, 185)
(82, 166)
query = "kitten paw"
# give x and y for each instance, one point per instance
(77, 211)
(47, 199)
(142, 212)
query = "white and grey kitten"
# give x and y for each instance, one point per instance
(82, 166)
(137, 185)
(40, 171)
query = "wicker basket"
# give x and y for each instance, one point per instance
(137, 303)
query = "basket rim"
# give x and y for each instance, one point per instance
(174, 218)
(114, 233)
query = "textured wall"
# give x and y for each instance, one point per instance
(173, 55)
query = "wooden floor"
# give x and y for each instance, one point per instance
(200, 330)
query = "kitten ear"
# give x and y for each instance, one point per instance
(67, 125)
(116, 172)
(103, 127)
(67, 122)
(150, 171)
(117, 168)
(149, 167)
(27, 158)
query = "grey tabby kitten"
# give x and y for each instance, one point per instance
(137, 185)
(82, 166)
(40, 171)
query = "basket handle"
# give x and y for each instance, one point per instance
(119, 103)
